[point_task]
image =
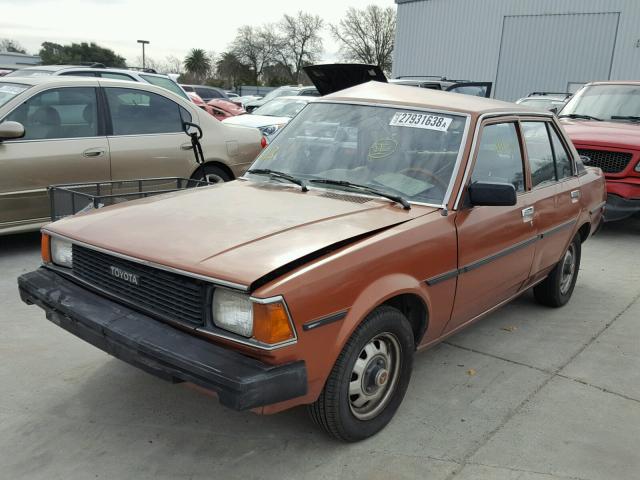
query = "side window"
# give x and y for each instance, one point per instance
(539, 152)
(137, 112)
(116, 76)
(499, 157)
(69, 112)
(563, 159)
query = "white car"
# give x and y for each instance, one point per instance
(147, 75)
(272, 116)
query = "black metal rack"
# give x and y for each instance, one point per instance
(71, 198)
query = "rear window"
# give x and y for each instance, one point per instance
(167, 83)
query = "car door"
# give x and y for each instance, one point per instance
(147, 138)
(495, 244)
(64, 142)
(478, 89)
(555, 191)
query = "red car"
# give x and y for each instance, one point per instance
(603, 122)
(224, 108)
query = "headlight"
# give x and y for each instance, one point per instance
(61, 252)
(232, 311)
(637, 169)
(267, 321)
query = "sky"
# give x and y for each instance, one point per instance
(172, 27)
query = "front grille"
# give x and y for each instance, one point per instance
(166, 295)
(609, 162)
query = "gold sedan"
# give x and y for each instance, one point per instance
(57, 130)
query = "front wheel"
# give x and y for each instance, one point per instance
(556, 289)
(369, 379)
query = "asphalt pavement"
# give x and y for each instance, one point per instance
(528, 393)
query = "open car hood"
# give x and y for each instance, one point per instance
(334, 77)
(238, 232)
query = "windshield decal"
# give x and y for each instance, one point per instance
(382, 148)
(420, 120)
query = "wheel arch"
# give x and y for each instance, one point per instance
(215, 163)
(584, 231)
(400, 291)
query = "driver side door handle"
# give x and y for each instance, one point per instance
(94, 152)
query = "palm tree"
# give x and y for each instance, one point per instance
(198, 64)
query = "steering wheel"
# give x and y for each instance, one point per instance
(424, 173)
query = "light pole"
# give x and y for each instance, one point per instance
(143, 42)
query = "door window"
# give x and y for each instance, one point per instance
(499, 157)
(59, 113)
(137, 112)
(540, 153)
(563, 159)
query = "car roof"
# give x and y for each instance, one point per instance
(390, 94)
(89, 68)
(64, 80)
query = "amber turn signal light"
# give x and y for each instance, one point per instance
(45, 248)
(271, 323)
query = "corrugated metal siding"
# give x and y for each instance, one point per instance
(530, 59)
(461, 38)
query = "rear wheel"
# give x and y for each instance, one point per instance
(556, 289)
(211, 174)
(369, 379)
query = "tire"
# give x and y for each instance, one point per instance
(211, 173)
(555, 291)
(344, 415)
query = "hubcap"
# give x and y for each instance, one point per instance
(374, 376)
(568, 269)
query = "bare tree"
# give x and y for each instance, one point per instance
(367, 35)
(256, 47)
(172, 64)
(8, 45)
(300, 43)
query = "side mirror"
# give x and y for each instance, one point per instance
(492, 194)
(11, 131)
(554, 110)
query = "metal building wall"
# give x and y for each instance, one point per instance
(462, 38)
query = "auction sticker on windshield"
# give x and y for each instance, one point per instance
(420, 120)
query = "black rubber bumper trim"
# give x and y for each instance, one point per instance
(619, 208)
(241, 382)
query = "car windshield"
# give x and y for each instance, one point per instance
(278, 92)
(605, 102)
(30, 73)
(543, 103)
(10, 90)
(281, 108)
(166, 83)
(398, 151)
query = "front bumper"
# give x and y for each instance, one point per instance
(241, 382)
(619, 208)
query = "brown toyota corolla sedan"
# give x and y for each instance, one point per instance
(381, 220)
(84, 129)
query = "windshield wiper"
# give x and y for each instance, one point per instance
(633, 118)
(365, 188)
(277, 174)
(581, 116)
